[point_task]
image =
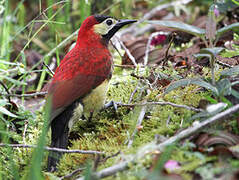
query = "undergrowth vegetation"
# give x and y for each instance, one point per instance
(184, 90)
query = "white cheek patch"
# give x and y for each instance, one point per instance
(108, 30)
(103, 28)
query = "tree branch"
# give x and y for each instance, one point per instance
(52, 149)
(131, 57)
(72, 173)
(139, 122)
(48, 68)
(162, 103)
(24, 95)
(6, 89)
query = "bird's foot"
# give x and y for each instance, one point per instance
(91, 115)
(112, 104)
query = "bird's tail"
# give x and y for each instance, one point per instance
(57, 142)
(59, 135)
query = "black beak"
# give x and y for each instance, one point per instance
(124, 22)
(117, 26)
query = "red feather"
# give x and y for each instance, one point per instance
(85, 67)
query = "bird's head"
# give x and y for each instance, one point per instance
(101, 26)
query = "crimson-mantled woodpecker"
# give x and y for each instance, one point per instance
(79, 85)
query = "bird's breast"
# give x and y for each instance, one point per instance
(95, 100)
(91, 103)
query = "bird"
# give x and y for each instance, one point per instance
(80, 83)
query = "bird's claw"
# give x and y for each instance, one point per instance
(111, 104)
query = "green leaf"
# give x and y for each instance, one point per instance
(195, 81)
(200, 115)
(224, 87)
(231, 72)
(237, 3)
(226, 101)
(234, 83)
(211, 110)
(210, 99)
(201, 55)
(235, 93)
(212, 51)
(180, 26)
(227, 28)
(6, 112)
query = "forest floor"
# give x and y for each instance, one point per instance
(175, 83)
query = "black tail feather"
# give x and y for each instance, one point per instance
(59, 135)
(54, 157)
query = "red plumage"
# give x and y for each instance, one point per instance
(85, 67)
(78, 87)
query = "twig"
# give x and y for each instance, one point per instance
(181, 123)
(127, 52)
(72, 173)
(132, 66)
(111, 170)
(162, 103)
(52, 149)
(153, 146)
(13, 71)
(6, 89)
(24, 131)
(96, 162)
(24, 95)
(139, 122)
(116, 48)
(169, 45)
(125, 66)
(168, 120)
(191, 130)
(224, 64)
(108, 157)
(48, 68)
(136, 76)
(132, 94)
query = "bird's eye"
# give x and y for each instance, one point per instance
(109, 22)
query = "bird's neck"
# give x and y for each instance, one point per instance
(90, 39)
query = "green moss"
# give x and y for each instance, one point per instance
(167, 119)
(234, 163)
(21, 156)
(121, 89)
(109, 131)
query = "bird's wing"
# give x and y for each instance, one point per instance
(74, 79)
